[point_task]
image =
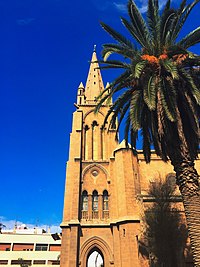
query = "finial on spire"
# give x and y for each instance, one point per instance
(94, 50)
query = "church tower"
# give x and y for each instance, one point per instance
(101, 212)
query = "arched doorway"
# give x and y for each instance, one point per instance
(95, 258)
(102, 254)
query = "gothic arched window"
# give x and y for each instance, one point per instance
(85, 201)
(105, 205)
(95, 199)
(86, 140)
(94, 124)
(84, 205)
(95, 145)
(105, 200)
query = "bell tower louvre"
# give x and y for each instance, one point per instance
(101, 212)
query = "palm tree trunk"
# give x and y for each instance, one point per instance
(188, 181)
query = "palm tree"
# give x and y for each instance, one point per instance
(158, 93)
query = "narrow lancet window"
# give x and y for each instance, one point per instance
(84, 205)
(85, 148)
(95, 199)
(85, 201)
(105, 205)
(94, 141)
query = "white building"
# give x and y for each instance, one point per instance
(29, 246)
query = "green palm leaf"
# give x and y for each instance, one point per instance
(118, 106)
(146, 137)
(170, 67)
(135, 110)
(138, 23)
(150, 92)
(154, 24)
(109, 49)
(192, 113)
(167, 24)
(190, 82)
(139, 68)
(170, 113)
(167, 6)
(114, 64)
(133, 31)
(127, 129)
(191, 39)
(122, 81)
(117, 36)
(122, 113)
(182, 17)
(168, 96)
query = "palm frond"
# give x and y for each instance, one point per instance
(133, 31)
(127, 129)
(154, 132)
(122, 78)
(138, 22)
(139, 68)
(171, 68)
(117, 36)
(191, 39)
(191, 84)
(168, 98)
(119, 83)
(135, 110)
(191, 109)
(193, 61)
(109, 49)
(114, 64)
(174, 50)
(122, 114)
(167, 6)
(154, 24)
(183, 14)
(103, 96)
(150, 92)
(133, 137)
(167, 24)
(146, 136)
(170, 113)
(118, 106)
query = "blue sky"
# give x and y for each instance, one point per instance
(45, 48)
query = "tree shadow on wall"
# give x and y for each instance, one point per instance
(165, 239)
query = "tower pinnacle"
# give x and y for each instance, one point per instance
(94, 84)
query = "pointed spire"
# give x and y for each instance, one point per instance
(94, 84)
(81, 94)
(107, 85)
(81, 86)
